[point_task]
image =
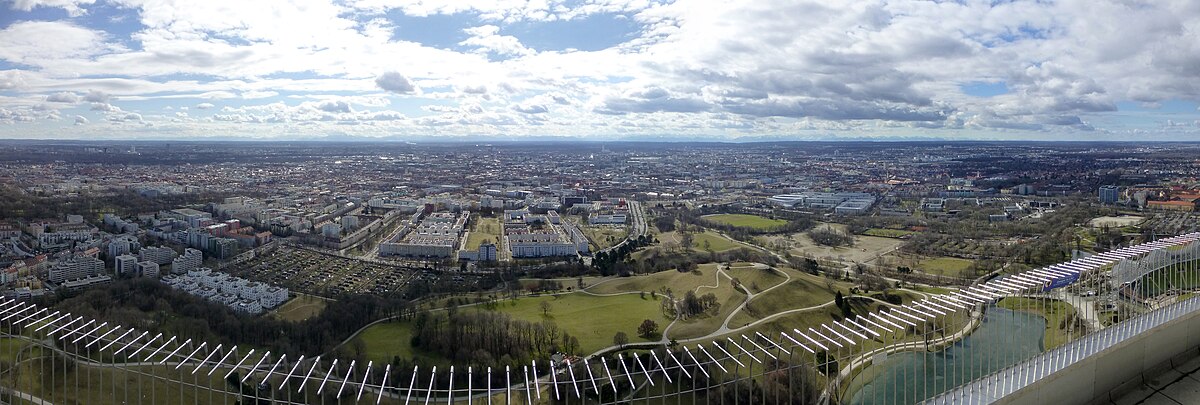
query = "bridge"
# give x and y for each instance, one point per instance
(1111, 318)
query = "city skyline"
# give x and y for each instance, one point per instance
(610, 70)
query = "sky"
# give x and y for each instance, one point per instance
(1124, 70)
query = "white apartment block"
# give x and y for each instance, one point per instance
(241, 295)
(435, 236)
(192, 259)
(157, 254)
(75, 268)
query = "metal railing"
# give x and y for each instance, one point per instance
(816, 364)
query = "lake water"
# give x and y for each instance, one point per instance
(1005, 338)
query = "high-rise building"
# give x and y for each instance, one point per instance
(1109, 194)
(126, 265)
(191, 260)
(121, 245)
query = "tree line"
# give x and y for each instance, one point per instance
(152, 305)
(485, 338)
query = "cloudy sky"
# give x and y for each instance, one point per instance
(790, 69)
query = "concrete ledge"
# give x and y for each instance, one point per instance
(1132, 363)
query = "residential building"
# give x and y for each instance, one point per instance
(190, 260)
(157, 254)
(1109, 194)
(75, 268)
(126, 265)
(148, 269)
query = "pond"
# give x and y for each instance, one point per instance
(1004, 338)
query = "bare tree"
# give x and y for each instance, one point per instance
(620, 339)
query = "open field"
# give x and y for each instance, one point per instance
(1116, 222)
(865, 249)
(592, 319)
(567, 282)
(603, 236)
(387, 339)
(302, 307)
(805, 290)
(671, 279)
(813, 319)
(745, 221)
(716, 243)
(484, 229)
(729, 298)
(756, 279)
(1058, 314)
(946, 266)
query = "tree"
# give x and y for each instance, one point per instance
(686, 239)
(545, 305)
(647, 329)
(873, 282)
(620, 339)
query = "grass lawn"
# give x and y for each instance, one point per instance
(865, 249)
(805, 290)
(929, 289)
(754, 279)
(729, 298)
(602, 237)
(813, 319)
(9, 348)
(114, 386)
(888, 233)
(302, 307)
(572, 282)
(485, 229)
(387, 339)
(746, 221)
(715, 242)
(1057, 313)
(946, 266)
(592, 319)
(671, 279)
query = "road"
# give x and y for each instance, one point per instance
(637, 226)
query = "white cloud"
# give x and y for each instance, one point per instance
(335, 107)
(46, 43)
(96, 96)
(73, 7)
(395, 83)
(63, 97)
(205, 106)
(487, 39)
(81, 120)
(688, 67)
